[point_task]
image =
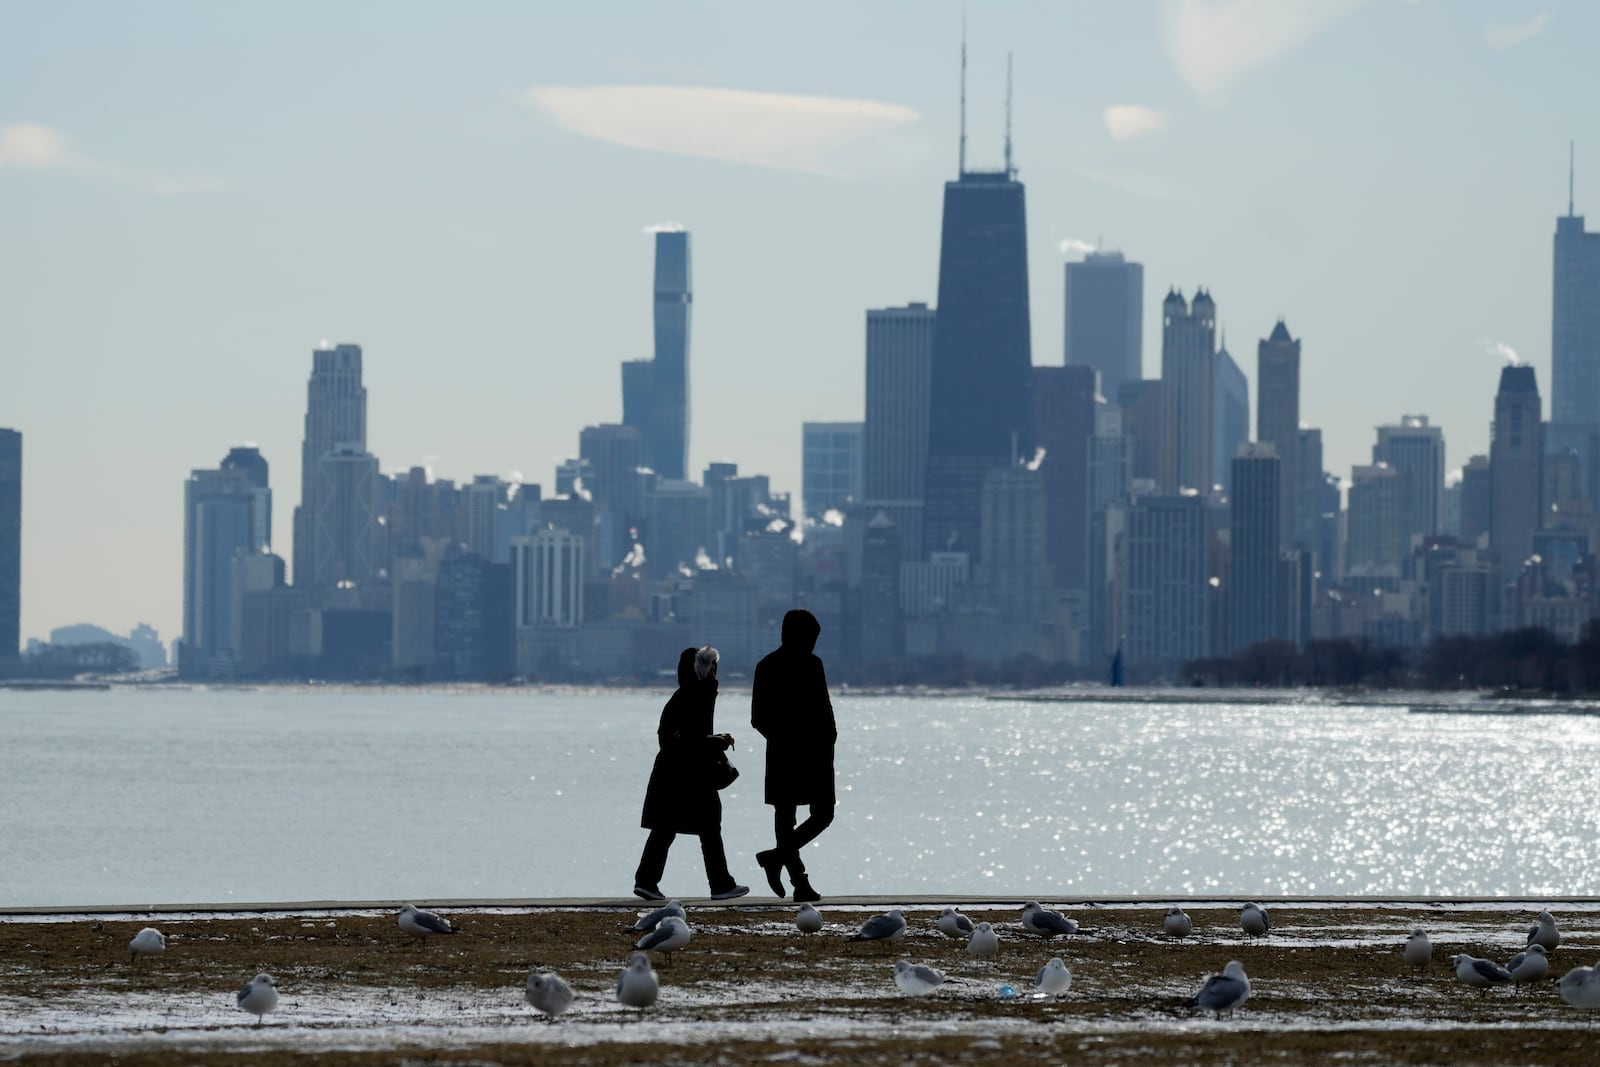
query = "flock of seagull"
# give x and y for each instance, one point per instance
(666, 929)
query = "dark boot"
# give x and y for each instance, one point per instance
(772, 865)
(803, 892)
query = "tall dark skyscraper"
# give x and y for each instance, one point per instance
(1575, 346)
(1278, 423)
(336, 417)
(1516, 468)
(1230, 419)
(894, 445)
(1063, 421)
(1188, 392)
(669, 451)
(1105, 319)
(10, 543)
(979, 404)
(1255, 575)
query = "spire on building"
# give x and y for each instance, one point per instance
(1011, 171)
(961, 159)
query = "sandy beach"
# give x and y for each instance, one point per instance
(1328, 985)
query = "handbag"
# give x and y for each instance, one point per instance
(723, 772)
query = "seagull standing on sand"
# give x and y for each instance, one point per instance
(985, 943)
(1053, 978)
(1580, 987)
(1544, 932)
(147, 942)
(1253, 918)
(915, 979)
(1529, 966)
(885, 927)
(547, 993)
(258, 996)
(1176, 924)
(1223, 992)
(651, 919)
(808, 920)
(1419, 950)
(955, 925)
(1044, 922)
(413, 920)
(637, 986)
(671, 935)
(1480, 974)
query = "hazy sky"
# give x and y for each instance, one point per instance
(192, 195)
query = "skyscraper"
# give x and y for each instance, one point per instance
(1575, 346)
(336, 414)
(979, 405)
(1188, 371)
(346, 537)
(1278, 423)
(222, 520)
(1255, 576)
(1063, 422)
(1165, 613)
(10, 543)
(1230, 417)
(894, 443)
(830, 465)
(669, 451)
(1416, 452)
(1105, 318)
(1308, 497)
(1516, 468)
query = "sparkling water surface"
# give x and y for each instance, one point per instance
(178, 796)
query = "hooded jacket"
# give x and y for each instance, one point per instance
(680, 796)
(789, 706)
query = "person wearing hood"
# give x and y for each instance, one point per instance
(682, 797)
(789, 706)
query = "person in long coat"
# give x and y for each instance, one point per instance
(681, 797)
(789, 706)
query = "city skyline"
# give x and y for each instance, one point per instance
(457, 383)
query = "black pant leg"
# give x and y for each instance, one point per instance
(653, 863)
(716, 858)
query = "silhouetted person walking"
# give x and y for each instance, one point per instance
(789, 706)
(681, 797)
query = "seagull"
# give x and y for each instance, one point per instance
(955, 925)
(1479, 973)
(1046, 923)
(1223, 992)
(884, 927)
(1053, 978)
(413, 920)
(808, 920)
(1580, 987)
(671, 935)
(1253, 917)
(985, 943)
(636, 985)
(650, 920)
(1529, 966)
(1176, 924)
(915, 979)
(258, 996)
(548, 993)
(1544, 932)
(147, 942)
(1419, 950)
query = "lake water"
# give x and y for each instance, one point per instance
(139, 797)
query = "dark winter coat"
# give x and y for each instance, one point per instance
(789, 706)
(680, 796)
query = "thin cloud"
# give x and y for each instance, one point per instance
(1502, 37)
(1213, 43)
(1127, 121)
(1145, 186)
(823, 135)
(30, 146)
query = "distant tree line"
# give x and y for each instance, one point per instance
(1527, 660)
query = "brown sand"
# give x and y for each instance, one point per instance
(1329, 986)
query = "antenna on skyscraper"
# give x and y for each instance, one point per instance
(961, 162)
(1571, 152)
(1010, 170)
